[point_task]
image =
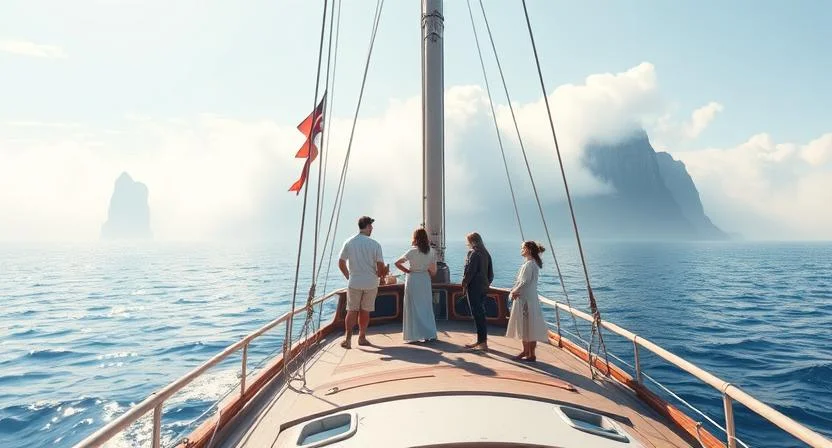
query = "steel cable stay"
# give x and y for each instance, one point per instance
(299, 373)
(593, 306)
(330, 105)
(336, 207)
(287, 341)
(496, 127)
(528, 167)
(286, 346)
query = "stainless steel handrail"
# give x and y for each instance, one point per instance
(156, 400)
(728, 390)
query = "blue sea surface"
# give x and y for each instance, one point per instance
(86, 331)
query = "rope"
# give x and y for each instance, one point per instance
(323, 152)
(337, 204)
(331, 90)
(596, 323)
(287, 342)
(528, 168)
(336, 207)
(496, 127)
(331, 102)
(308, 321)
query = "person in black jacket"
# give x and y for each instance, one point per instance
(477, 278)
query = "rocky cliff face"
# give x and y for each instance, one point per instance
(129, 213)
(654, 195)
(684, 191)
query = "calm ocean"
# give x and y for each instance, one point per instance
(88, 330)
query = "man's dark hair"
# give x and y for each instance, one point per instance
(365, 221)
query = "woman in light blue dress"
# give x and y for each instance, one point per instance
(419, 324)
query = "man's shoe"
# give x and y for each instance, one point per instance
(482, 346)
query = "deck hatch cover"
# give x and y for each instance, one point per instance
(328, 429)
(592, 423)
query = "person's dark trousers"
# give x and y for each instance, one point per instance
(476, 298)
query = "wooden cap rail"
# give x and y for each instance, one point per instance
(728, 390)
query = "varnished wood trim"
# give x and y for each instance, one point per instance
(676, 416)
(441, 373)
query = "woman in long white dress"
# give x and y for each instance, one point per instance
(419, 323)
(526, 322)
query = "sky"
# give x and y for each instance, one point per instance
(199, 100)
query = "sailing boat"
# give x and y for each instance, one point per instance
(441, 395)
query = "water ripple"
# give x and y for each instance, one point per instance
(91, 330)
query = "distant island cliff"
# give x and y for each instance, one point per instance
(654, 195)
(129, 212)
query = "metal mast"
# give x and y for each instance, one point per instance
(433, 131)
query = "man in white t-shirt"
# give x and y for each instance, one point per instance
(362, 264)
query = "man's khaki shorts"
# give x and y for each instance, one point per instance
(361, 299)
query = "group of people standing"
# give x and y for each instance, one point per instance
(362, 264)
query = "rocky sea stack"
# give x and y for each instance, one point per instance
(129, 214)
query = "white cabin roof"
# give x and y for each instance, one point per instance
(454, 419)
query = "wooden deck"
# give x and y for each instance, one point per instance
(338, 378)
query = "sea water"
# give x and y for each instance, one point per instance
(88, 330)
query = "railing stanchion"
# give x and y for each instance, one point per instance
(157, 426)
(638, 364)
(729, 420)
(557, 319)
(243, 377)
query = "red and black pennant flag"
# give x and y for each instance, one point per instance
(311, 127)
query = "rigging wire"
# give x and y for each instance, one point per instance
(331, 90)
(318, 204)
(596, 314)
(287, 342)
(308, 324)
(526, 160)
(336, 207)
(333, 54)
(496, 127)
(339, 194)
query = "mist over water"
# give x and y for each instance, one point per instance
(89, 329)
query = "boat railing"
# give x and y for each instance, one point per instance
(156, 401)
(729, 392)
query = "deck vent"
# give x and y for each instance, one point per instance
(327, 430)
(592, 423)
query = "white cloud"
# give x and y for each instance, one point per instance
(605, 107)
(780, 188)
(665, 129)
(700, 119)
(819, 151)
(212, 177)
(26, 48)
